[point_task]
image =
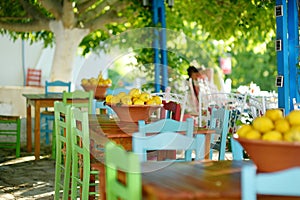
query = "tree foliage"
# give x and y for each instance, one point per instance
(214, 28)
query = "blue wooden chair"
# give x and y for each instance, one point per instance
(100, 105)
(236, 149)
(219, 122)
(282, 183)
(120, 162)
(116, 91)
(47, 116)
(165, 125)
(162, 141)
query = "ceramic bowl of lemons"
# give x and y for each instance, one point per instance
(134, 106)
(98, 85)
(272, 141)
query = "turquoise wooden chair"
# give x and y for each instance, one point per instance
(219, 122)
(236, 149)
(118, 161)
(282, 183)
(80, 99)
(165, 125)
(63, 150)
(116, 91)
(85, 174)
(100, 105)
(47, 116)
(162, 141)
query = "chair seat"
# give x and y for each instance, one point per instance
(9, 117)
(47, 112)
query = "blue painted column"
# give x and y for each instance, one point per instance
(155, 19)
(293, 42)
(282, 55)
(160, 47)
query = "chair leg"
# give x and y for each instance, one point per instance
(18, 139)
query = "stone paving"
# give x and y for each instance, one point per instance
(24, 178)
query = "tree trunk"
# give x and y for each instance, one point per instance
(66, 45)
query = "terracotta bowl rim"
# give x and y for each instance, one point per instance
(264, 142)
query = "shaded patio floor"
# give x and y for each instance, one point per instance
(24, 178)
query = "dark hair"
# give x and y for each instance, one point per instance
(191, 70)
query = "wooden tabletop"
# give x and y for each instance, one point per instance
(195, 180)
(103, 128)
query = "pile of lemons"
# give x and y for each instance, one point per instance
(273, 126)
(100, 81)
(134, 97)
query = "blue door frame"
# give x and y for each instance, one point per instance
(287, 44)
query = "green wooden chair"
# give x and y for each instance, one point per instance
(63, 149)
(80, 99)
(85, 174)
(118, 161)
(10, 131)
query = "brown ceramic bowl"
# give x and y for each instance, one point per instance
(134, 113)
(99, 90)
(271, 156)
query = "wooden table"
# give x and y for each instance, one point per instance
(37, 101)
(195, 180)
(103, 129)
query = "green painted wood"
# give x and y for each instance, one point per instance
(116, 160)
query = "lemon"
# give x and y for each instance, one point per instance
(135, 92)
(121, 94)
(294, 117)
(282, 125)
(151, 102)
(115, 100)
(138, 102)
(145, 96)
(253, 134)
(272, 136)
(157, 99)
(292, 135)
(242, 131)
(108, 98)
(126, 100)
(274, 114)
(263, 124)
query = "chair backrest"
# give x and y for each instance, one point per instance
(162, 141)
(219, 122)
(174, 105)
(80, 141)
(80, 99)
(282, 183)
(236, 149)
(116, 91)
(165, 125)
(33, 77)
(118, 161)
(100, 105)
(57, 87)
(63, 149)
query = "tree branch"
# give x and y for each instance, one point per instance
(99, 23)
(68, 17)
(21, 27)
(52, 6)
(96, 12)
(84, 5)
(33, 11)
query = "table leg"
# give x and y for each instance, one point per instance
(37, 131)
(28, 125)
(207, 145)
